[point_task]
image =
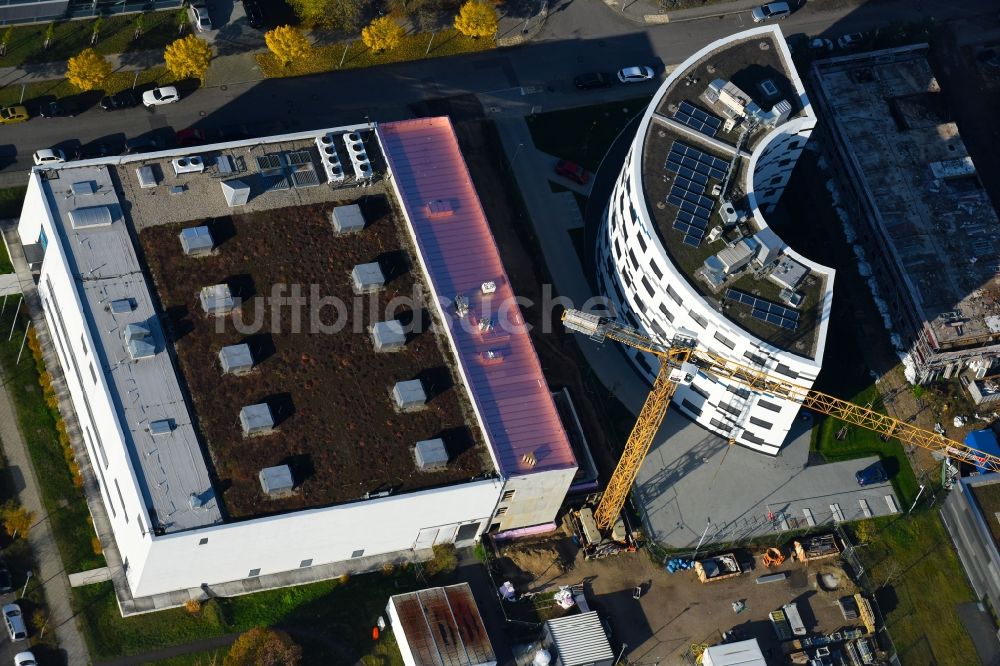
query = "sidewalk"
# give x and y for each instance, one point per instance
(652, 12)
(51, 573)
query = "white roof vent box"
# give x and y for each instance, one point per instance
(277, 481)
(217, 299)
(409, 396)
(139, 341)
(388, 336)
(236, 359)
(347, 219)
(256, 420)
(196, 241)
(367, 278)
(431, 454)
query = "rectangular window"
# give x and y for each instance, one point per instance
(639, 304)
(647, 285)
(754, 358)
(724, 340)
(657, 329)
(305, 563)
(644, 363)
(752, 438)
(502, 511)
(618, 250)
(627, 279)
(700, 391)
(107, 493)
(674, 295)
(507, 496)
(253, 573)
(785, 162)
(776, 180)
(783, 369)
(83, 343)
(142, 528)
(358, 553)
(631, 257)
(691, 407)
(739, 390)
(721, 425)
(726, 407)
(667, 313)
(121, 499)
(202, 541)
(701, 321)
(769, 405)
(639, 239)
(656, 270)
(760, 423)
(93, 375)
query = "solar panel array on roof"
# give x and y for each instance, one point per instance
(772, 313)
(694, 168)
(697, 119)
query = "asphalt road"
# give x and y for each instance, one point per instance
(579, 36)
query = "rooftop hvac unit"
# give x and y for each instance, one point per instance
(388, 335)
(139, 341)
(196, 241)
(359, 156)
(217, 299)
(431, 454)
(327, 147)
(367, 278)
(161, 427)
(237, 192)
(346, 219)
(236, 359)
(83, 188)
(121, 306)
(256, 420)
(90, 217)
(188, 164)
(409, 396)
(277, 481)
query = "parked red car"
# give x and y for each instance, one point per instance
(573, 171)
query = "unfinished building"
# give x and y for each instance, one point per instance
(927, 226)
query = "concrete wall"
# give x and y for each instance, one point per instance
(532, 499)
(635, 272)
(975, 546)
(312, 537)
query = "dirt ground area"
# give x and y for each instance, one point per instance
(329, 392)
(677, 611)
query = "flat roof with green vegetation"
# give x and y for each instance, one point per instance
(329, 392)
(988, 498)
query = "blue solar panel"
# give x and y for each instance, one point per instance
(693, 241)
(772, 313)
(697, 119)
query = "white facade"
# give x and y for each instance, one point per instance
(646, 287)
(191, 547)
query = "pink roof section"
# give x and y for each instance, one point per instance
(459, 254)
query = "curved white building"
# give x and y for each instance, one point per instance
(686, 247)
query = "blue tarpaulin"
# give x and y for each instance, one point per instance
(985, 441)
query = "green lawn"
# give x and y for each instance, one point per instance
(412, 47)
(807, 221)
(11, 200)
(27, 43)
(64, 503)
(915, 566)
(13, 94)
(332, 621)
(5, 265)
(584, 134)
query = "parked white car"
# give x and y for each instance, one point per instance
(161, 96)
(635, 74)
(49, 156)
(25, 659)
(851, 39)
(200, 18)
(772, 11)
(14, 621)
(818, 44)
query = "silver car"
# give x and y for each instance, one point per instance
(772, 11)
(199, 16)
(14, 621)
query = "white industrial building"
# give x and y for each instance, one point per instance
(686, 250)
(163, 515)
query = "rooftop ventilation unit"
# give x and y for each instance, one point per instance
(277, 481)
(146, 177)
(788, 273)
(196, 241)
(388, 335)
(236, 359)
(409, 396)
(189, 164)
(217, 299)
(331, 161)
(139, 341)
(121, 306)
(256, 420)
(161, 427)
(346, 219)
(304, 175)
(84, 188)
(367, 278)
(438, 208)
(359, 156)
(430, 454)
(90, 217)
(237, 192)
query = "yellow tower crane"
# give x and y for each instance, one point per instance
(679, 363)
